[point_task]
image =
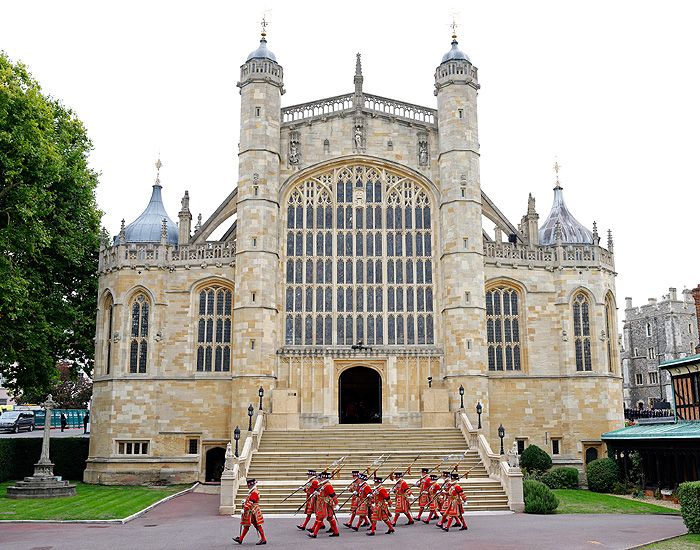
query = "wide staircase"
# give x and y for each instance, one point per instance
(283, 457)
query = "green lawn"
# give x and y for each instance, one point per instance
(90, 502)
(686, 542)
(579, 501)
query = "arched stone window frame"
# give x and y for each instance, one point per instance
(295, 273)
(109, 323)
(212, 327)
(139, 329)
(583, 329)
(612, 353)
(513, 288)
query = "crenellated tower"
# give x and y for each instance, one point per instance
(462, 304)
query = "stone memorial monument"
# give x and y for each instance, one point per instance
(43, 484)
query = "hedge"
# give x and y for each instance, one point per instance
(18, 456)
(689, 497)
(535, 459)
(539, 499)
(602, 475)
(561, 478)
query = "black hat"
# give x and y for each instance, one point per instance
(355, 472)
(251, 482)
(326, 475)
(310, 472)
(433, 477)
(455, 475)
(445, 474)
(377, 479)
(398, 474)
(363, 476)
(424, 470)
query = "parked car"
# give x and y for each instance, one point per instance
(17, 420)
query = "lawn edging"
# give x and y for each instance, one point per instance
(112, 521)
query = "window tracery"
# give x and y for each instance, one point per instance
(214, 329)
(359, 265)
(582, 332)
(503, 328)
(138, 347)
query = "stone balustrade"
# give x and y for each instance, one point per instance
(166, 256)
(572, 255)
(400, 109)
(322, 107)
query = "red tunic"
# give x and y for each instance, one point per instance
(309, 506)
(251, 513)
(325, 502)
(434, 497)
(456, 499)
(364, 499)
(380, 505)
(443, 501)
(401, 503)
(353, 488)
(424, 497)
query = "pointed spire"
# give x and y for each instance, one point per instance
(358, 101)
(610, 240)
(596, 238)
(164, 231)
(558, 236)
(122, 232)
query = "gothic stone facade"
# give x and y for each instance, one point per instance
(356, 238)
(654, 333)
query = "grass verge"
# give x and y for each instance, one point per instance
(684, 542)
(90, 502)
(580, 501)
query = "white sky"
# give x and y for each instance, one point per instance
(609, 88)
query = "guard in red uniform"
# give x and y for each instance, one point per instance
(433, 504)
(364, 498)
(402, 505)
(443, 501)
(380, 507)
(423, 484)
(456, 499)
(326, 502)
(309, 489)
(353, 487)
(251, 514)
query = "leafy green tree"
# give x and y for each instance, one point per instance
(49, 236)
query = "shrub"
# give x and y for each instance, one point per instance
(532, 474)
(689, 497)
(561, 478)
(18, 456)
(602, 475)
(539, 499)
(535, 459)
(621, 488)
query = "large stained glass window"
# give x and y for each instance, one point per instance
(503, 328)
(582, 332)
(359, 260)
(138, 346)
(214, 329)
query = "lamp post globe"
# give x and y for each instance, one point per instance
(236, 437)
(479, 408)
(501, 434)
(461, 396)
(250, 417)
(261, 392)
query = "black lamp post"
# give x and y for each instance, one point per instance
(479, 408)
(236, 437)
(501, 434)
(461, 396)
(250, 417)
(430, 381)
(261, 392)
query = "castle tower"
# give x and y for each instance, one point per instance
(257, 262)
(463, 312)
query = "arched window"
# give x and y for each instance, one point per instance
(108, 332)
(138, 346)
(503, 328)
(582, 332)
(214, 329)
(359, 254)
(610, 333)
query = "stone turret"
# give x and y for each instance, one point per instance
(463, 305)
(529, 224)
(185, 220)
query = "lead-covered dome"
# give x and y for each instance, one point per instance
(262, 52)
(455, 53)
(147, 228)
(572, 231)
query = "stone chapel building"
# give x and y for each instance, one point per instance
(360, 262)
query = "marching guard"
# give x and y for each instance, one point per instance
(325, 503)
(310, 489)
(443, 501)
(354, 503)
(456, 498)
(433, 503)
(380, 507)
(402, 505)
(251, 514)
(364, 498)
(423, 484)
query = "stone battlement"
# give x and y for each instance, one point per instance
(166, 256)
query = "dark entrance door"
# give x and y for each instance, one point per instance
(360, 396)
(214, 466)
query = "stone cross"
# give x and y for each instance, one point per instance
(44, 466)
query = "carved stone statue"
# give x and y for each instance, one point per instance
(513, 457)
(423, 153)
(294, 152)
(358, 137)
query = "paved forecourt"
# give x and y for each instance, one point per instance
(191, 521)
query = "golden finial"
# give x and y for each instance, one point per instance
(454, 25)
(263, 26)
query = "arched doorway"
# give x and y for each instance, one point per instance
(360, 396)
(591, 454)
(214, 466)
